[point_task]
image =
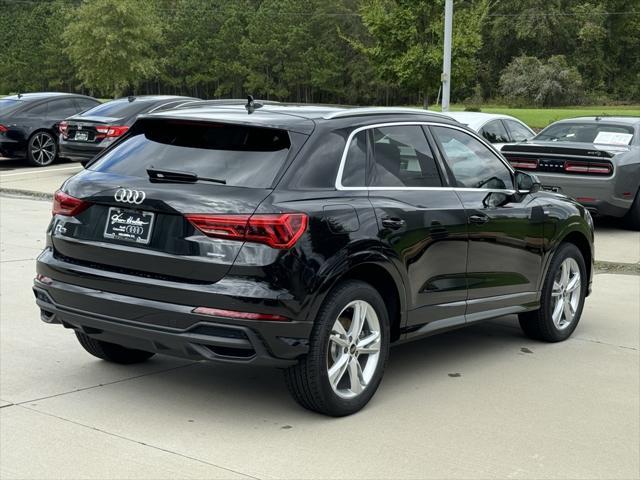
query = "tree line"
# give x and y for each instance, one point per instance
(384, 52)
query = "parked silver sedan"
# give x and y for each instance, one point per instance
(497, 129)
(596, 160)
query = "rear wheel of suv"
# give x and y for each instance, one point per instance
(562, 299)
(348, 351)
(42, 149)
(112, 352)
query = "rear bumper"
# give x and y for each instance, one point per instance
(78, 152)
(608, 196)
(168, 328)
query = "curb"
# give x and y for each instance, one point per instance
(16, 192)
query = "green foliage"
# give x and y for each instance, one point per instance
(527, 81)
(111, 44)
(331, 51)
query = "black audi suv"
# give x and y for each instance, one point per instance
(29, 124)
(306, 238)
(85, 135)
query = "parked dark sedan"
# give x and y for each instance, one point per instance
(29, 123)
(595, 160)
(307, 238)
(85, 135)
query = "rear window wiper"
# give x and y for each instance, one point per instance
(161, 175)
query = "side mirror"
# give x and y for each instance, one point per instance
(526, 182)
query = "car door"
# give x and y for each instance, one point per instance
(421, 222)
(505, 230)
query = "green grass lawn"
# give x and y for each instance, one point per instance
(541, 117)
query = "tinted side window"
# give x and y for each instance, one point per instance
(85, 104)
(62, 108)
(495, 132)
(473, 164)
(402, 158)
(38, 110)
(317, 165)
(518, 132)
(355, 166)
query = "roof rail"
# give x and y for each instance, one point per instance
(223, 102)
(362, 111)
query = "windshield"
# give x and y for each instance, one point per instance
(241, 156)
(8, 106)
(587, 133)
(116, 109)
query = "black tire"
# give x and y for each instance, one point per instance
(112, 352)
(539, 324)
(308, 381)
(42, 149)
(633, 215)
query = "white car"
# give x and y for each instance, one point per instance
(495, 128)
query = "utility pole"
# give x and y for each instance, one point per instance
(446, 61)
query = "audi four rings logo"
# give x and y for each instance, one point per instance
(126, 195)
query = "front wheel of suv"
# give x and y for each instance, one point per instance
(348, 351)
(112, 352)
(563, 294)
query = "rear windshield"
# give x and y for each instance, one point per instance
(117, 109)
(8, 106)
(241, 156)
(588, 133)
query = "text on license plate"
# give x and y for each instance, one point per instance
(129, 225)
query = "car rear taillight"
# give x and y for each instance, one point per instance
(218, 312)
(276, 230)
(523, 163)
(3, 129)
(588, 168)
(63, 127)
(64, 204)
(112, 131)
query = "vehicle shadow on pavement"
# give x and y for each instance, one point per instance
(217, 393)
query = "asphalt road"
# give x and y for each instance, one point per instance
(482, 402)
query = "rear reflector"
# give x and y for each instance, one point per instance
(112, 131)
(67, 205)
(217, 312)
(588, 168)
(276, 230)
(43, 279)
(523, 163)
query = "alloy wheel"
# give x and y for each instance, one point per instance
(354, 349)
(43, 149)
(566, 293)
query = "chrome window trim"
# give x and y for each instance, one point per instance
(343, 159)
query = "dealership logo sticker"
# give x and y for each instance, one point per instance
(126, 195)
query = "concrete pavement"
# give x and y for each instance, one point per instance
(482, 402)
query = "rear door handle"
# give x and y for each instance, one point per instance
(393, 223)
(479, 219)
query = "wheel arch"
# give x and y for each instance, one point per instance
(580, 240)
(378, 271)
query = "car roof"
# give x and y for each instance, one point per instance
(629, 120)
(476, 120)
(41, 96)
(293, 117)
(151, 98)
